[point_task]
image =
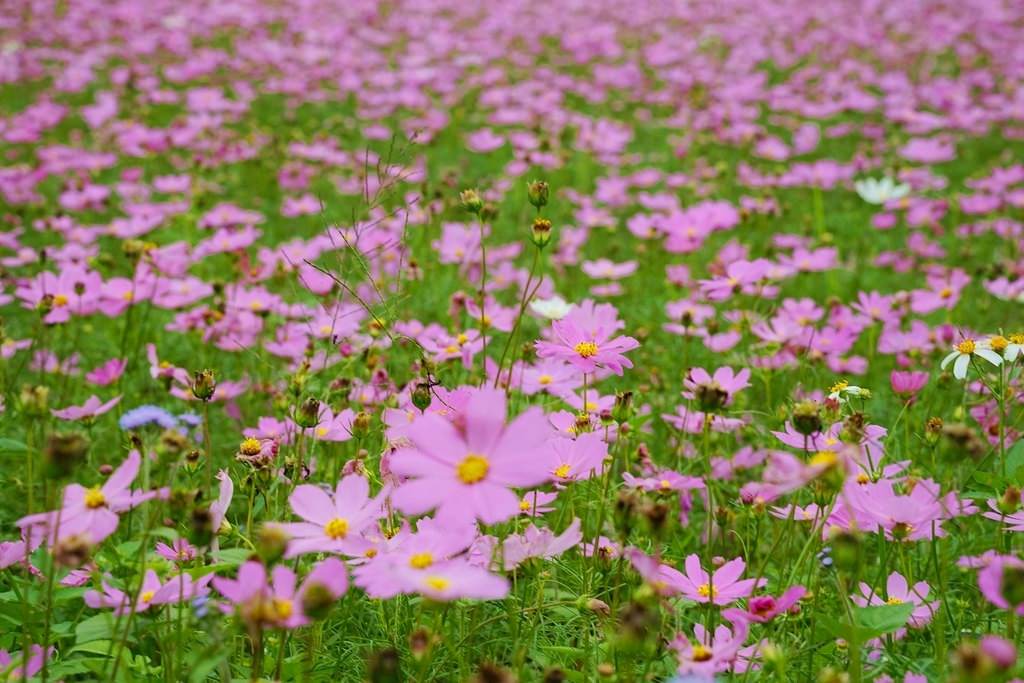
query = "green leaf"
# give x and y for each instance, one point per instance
(883, 618)
(12, 446)
(96, 647)
(94, 628)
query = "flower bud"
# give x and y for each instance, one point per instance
(1010, 500)
(537, 192)
(271, 542)
(73, 552)
(65, 451)
(34, 400)
(308, 414)
(471, 201)
(807, 417)
(622, 411)
(421, 397)
(204, 383)
(317, 601)
(361, 424)
(385, 666)
(540, 232)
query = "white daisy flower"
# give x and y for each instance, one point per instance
(842, 389)
(554, 308)
(964, 351)
(880, 191)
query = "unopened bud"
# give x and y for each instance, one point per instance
(471, 201)
(204, 384)
(540, 232)
(537, 192)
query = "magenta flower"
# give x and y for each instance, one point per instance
(466, 471)
(179, 552)
(718, 389)
(721, 588)
(572, 459)
(15, 666)
(763, 608)
(906, 383)
(152, 592)
(332, 524)
(92, 408)
(278, 602)
(585, 338)
(539, 542)
(994, 577)
(108, 373)
(94, 511)
(898, 592)
(708, 654)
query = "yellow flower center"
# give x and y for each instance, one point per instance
(451, 348)
(438, 583)
(966, 346)
(370, 553)
(60, 300)
(706, 590)
(700, 653)
(1017, 338)
(147, 596)
(525, 505)
(894, 601)
(336, 528)
(998, 342)
(946, 293)
(823, 459)
(250, 447)
(421, 560)
(128, 296)
(586, 349)
(473, 468)
(665, 484)
(256, 304)
(562, 471)
(94, 498)
(282, 608)
(462, 339)
(321, 431)
(545, 379)
(838, 386)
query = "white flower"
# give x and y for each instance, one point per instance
(554, 308)
(842, 389)
(1010, 348)
(880, 191)
(964, 351)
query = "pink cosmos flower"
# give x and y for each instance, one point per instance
(898, 592)
(907, 384)
(702, 386)
(572, 459)
(539, 542)
(764, 608)
(332, 524)
(19, 666)
(178, 588)
(537, 503)
(180, 551)
(709, 654)
(92, 512)
(92, 408)
(993, 577)
(586, 341)
(465, 470)
(108, 373)
(276, 602)
(219, 507)
(722, 588)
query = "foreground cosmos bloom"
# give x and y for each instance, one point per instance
(965, 351)
(584, 337)
(723, 587)
(278, 600)
(92, 512)
(898, 592)
(466, 471)
(333, 523)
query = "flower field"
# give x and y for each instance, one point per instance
(423, 340)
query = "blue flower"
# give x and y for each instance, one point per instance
(145, 415)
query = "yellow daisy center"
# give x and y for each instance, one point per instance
(1017, 338)
(700, 653)
(823, 459)
(421, 560)
(966, 346)
(525, 505)
(147, 596)
(998, 342)
(562, 471)
(586, 349)
(894, 601)
(706, 590)
(282, 608)
(94, 498)
(838, 386)
(336, 528)
(60, 300)
(250, 447)
(438, 583)
(545, 379)
(473, 468)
